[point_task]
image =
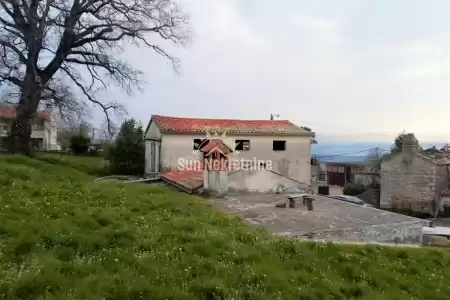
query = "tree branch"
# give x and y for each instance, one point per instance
(45, 42)
(117, 108)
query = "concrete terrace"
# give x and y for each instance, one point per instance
(331, 219)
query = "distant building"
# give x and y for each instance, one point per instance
(342, 170)
(44, 129)
(413, 181)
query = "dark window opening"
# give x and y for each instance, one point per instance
(279, 145)
(199, 143)
(242, 145)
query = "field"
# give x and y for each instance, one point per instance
(63, 236)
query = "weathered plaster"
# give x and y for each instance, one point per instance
(215, 182)
(152, 165)
(294, 162)
(153, 132)
(264, 181)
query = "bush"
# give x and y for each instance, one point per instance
(108, 148)
(127, 154)
(354, 189)
(79, 144)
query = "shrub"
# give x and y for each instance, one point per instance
(79, 144)
(108, 147)
(354, 189)
(127, 154)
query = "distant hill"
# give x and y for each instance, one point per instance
(354, 151)
(343, 159)
(337, 148)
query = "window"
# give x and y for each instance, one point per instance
(336, 169)
(199, 143)
(332, 168)
(242, 145)
(279, 145)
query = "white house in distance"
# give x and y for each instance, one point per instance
(44, 130)
(276, 145)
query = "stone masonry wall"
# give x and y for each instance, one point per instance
(442, 181)
(408, 182)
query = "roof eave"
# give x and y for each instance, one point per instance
(230, 133)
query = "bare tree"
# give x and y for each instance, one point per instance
(108, 131)
(45, 46)
(56, 95)
(374, 159)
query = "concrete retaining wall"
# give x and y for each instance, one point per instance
(402, 233)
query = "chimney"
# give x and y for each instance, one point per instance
(410, 144)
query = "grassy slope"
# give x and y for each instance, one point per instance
(93, 165)
(63, 236)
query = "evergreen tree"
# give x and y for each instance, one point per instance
(398, 143)
(127, 154)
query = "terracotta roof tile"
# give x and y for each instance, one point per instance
(189, 180)
(196, 125)
(10, 113)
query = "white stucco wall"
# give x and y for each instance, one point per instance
(153, 132)
(48, 134)
(215, 182)
(51, 132)
(264, 181)
(294, 162)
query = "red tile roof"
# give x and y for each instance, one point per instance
(188, 180)
(195, 125)
(10, 113)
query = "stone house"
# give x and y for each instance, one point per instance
(412, 181)
(44, 128)
(278, 151)
(343, 173)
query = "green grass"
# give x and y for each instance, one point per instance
(93, 165)
(63, 236)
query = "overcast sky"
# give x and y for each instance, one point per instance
(342, 67)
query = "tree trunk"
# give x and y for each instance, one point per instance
(20, 135)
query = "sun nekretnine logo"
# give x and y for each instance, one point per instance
(215, 136)
(217, 141)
